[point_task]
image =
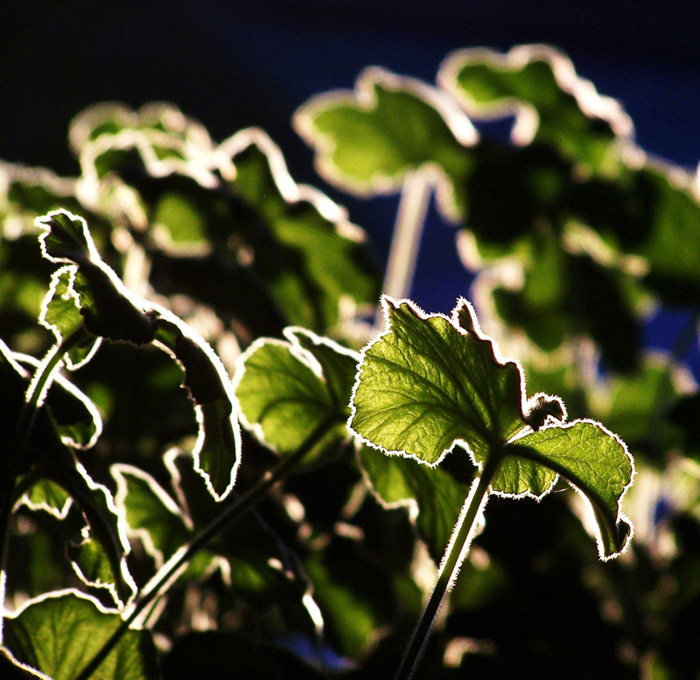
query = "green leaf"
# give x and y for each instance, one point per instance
(366, 141)
(595, 462)
(429, 382)
(162, 126)
(564, 296)
(110, 310)
(551, 102)
(60, 313)
(250, 558)
(287, 389)
(60, 633)
(433, 497)
(73, 415)
(154, 517)
(106, 558)
(320, 260)
(48, 496)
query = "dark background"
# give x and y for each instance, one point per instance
(235, 64)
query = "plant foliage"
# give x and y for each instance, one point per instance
(213, 463)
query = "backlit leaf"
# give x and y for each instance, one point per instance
(597, 465)
(110, 310)
(551, 102)
(287, 389)
(427, 383)
(59, 634)
(369, 139)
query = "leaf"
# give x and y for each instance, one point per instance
(105, 559)
(73, 414)
(428, 383)
(48, 496)
(217, 449)
(60, 313)
(552, 104)
(250, 558)
(60, 633)
(433, 497)
(110, 310)
(565, 296)
(163, 124)
(287, 389)
(366, 141)
(238, 207)
(320, 258)
(596, 463)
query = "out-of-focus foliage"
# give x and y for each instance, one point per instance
(178, 262)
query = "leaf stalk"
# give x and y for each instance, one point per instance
(405, 243)
(452, 560)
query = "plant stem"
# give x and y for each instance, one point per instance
(226, 519)
(40, 385)
(407, 235)
(455, 553)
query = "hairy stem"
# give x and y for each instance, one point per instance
(171, 569)
(455, 553)
(406, 239)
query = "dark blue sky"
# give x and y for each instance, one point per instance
(234, 64)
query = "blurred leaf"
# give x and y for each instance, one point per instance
(635, 406)
(287, 389)
(239, 207)
(369, 139)
(565, 296)
(595, 462)
(171, 132)
(551, 102)
(48, 496)
(355, 595)
(333, 262)
(60, 633)
(511, 192)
